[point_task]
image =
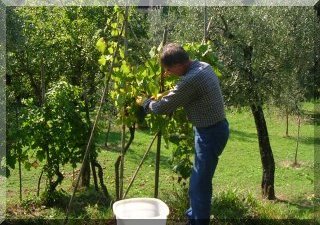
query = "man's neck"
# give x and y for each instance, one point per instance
(188, 65)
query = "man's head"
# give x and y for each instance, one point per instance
(175, 59)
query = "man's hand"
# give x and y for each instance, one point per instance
(143, 107)
(140, 100)
(160, 95)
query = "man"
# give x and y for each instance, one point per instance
(199, 92)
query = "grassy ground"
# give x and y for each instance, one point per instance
(2, 198)
(236, 183)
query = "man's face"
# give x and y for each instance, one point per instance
(178, 69)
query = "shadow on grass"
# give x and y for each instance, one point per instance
(243, 136)
(151, 157)
(303, 205)
(84, 198)
(114, 145)
(312, 117)
(306, 140)
(113, 142)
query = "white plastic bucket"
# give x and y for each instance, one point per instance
(141, 211)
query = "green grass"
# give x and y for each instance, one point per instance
(241, 158)
(236, 182)
(2, 198)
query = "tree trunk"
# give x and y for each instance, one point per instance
(85, 176)
(94, 174)
(35, 88)
(267, 184)
(298, 137)
(34, 85)
(43, 83)
(39, 183)
(268, 165)
(103, 186)
(49, 163)
(317, 8)
(54, 184)
(20, 179)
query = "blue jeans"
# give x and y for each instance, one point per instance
(209, 144)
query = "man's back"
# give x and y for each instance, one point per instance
(198, 91)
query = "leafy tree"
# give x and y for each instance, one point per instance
(256, 51)
(39, 55)
(54, 132)
(294, 53)
(187, 29)
(241, 45)
(79, 57)
(41, 51)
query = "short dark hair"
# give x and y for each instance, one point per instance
(173, 54)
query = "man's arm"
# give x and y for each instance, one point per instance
(182, 93)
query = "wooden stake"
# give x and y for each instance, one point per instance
(157, 167)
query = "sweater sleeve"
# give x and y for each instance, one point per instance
(182, 93)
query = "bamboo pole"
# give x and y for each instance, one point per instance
(20, 179)
(102, 100)
(123, 143)
(158, 155)
(19, 156)
(140, 165)
(123, 134)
